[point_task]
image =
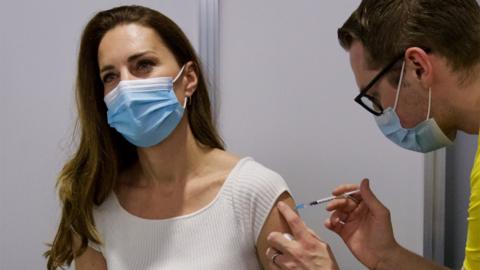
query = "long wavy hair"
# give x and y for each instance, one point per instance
(89, 176)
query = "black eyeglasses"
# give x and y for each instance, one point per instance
(370, 103)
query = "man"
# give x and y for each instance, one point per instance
(417, 63)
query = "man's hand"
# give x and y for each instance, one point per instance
(304, 252)
(363, 223)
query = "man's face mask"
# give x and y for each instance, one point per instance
(425, 137)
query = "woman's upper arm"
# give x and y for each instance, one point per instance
(90, 260)
(274, 223)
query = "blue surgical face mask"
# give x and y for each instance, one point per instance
(425, 137)
(144, 111)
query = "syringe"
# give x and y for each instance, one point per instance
(327, 199)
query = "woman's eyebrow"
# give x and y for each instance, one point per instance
(138, 55)
(131, 58)
(106, 68)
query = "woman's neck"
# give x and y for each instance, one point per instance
(173, 160)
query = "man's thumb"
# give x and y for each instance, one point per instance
(369, 198)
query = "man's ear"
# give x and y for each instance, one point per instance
(191, 78)
(422, 66)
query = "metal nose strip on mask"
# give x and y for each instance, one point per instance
(134, 83)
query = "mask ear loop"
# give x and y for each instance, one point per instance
(175, 79)
(399, 86)
(429, 102)
(179, 74)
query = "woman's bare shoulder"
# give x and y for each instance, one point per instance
(90, 260)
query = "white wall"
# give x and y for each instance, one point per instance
(38, 48)
(286, 98)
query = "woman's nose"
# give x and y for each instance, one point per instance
(126, 75)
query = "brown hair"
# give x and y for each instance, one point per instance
(450, 28)
(89, 177)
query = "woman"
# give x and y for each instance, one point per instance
(150, 186)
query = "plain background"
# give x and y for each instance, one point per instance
(285, 97)
(38, 50)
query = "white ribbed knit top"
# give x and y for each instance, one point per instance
(222, 235)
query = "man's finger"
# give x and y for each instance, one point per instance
(279, 242)
(331, 227)
(344, 188)
(343, 204)
(270, 251)
(370, 199)
(286, 262)
(296, 224)
(336, 221)
(339, 217)
(269, 254)
(273, 266)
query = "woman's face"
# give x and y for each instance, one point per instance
(131, 52)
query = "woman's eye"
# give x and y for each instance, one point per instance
(107, 78)
(145, 66)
